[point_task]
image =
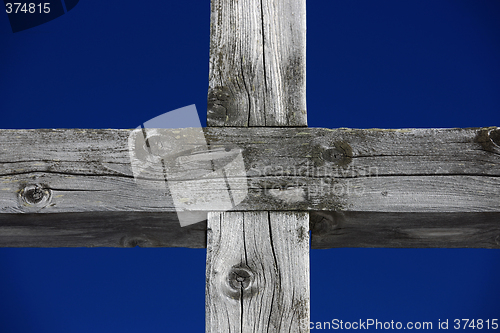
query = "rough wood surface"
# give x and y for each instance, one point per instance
(257, 272)
(257, 71)
(328, 230)
(411, 170)
(420, 173)
(99, 229)
(256, 78)
(405, 230)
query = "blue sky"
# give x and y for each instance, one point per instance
(370, 64)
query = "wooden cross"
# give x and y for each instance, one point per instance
(349, 188)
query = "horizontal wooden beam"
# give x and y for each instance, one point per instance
(59, 187)
(412, 170)
(328, 230)
(405, 230)
(100, 229)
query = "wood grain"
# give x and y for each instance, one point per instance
(405, 230)
(328, 230)
(256, 78)
(411, 170)
(99, 229)
(269, 253)
(257, 70)
(424, 177)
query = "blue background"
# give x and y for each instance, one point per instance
(116, 64)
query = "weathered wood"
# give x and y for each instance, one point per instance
(411, 170)
(257, 272)
(257, 70)
(421, 174)
(256, 78)
(405, 230)
(99, 229)
(328, 230)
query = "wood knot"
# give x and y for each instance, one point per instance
(339, 152)
(240, 278)
(326, 223)
(489, 139)
(218, 102)
(35, 196)
(494, 135)
(238, 282)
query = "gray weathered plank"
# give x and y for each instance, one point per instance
(257, 272)
(328, 230)
(411, 170)
(257, 63)
(421, 172)
(405, 230)
(99, 229)
(256, 78)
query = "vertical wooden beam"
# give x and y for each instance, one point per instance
(257, 71)
(258, 272)
(257, 262)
